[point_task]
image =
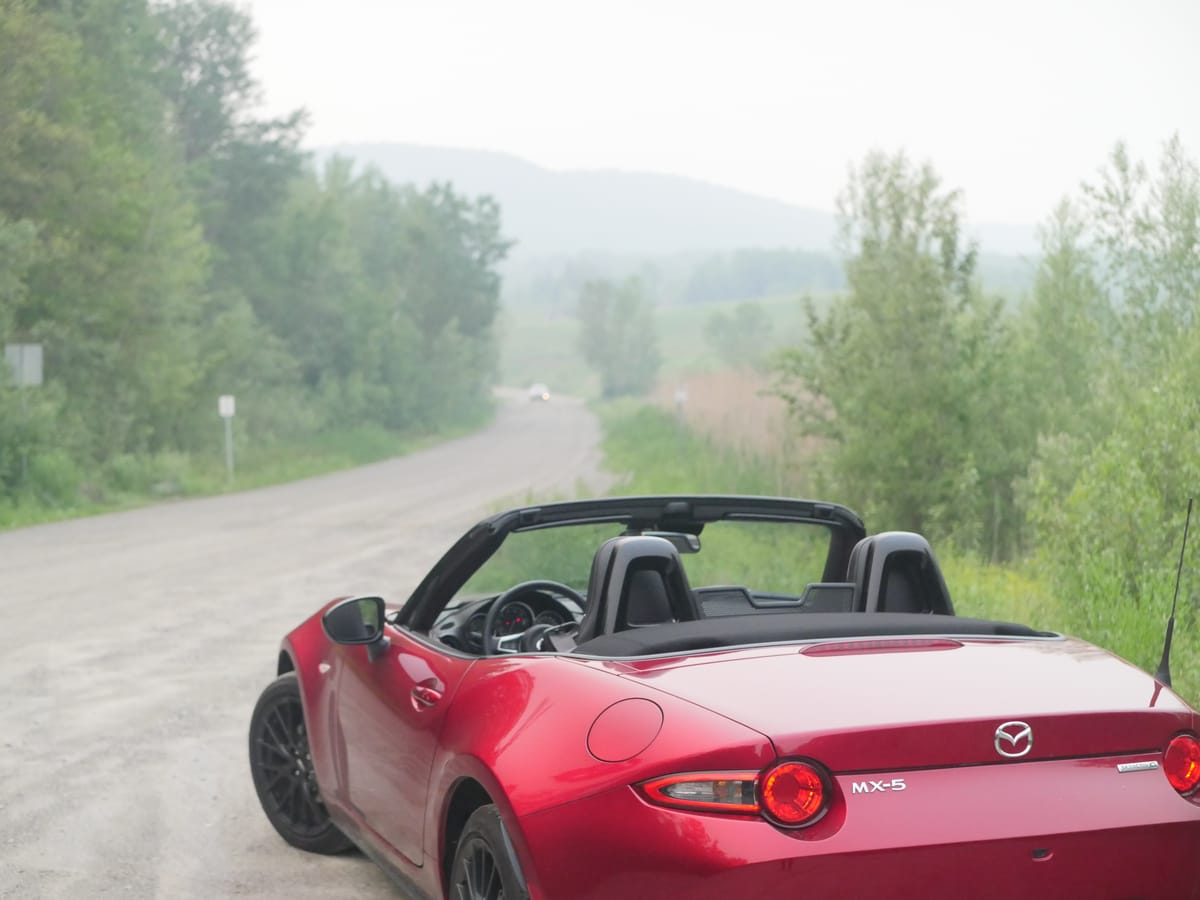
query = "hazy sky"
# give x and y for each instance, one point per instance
(1015, 101)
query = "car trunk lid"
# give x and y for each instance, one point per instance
(890, 704)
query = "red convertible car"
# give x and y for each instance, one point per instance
(713, 698)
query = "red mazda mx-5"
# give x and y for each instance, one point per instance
(714, 698)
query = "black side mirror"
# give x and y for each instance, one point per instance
(357, 620)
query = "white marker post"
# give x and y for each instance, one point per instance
(25, 360)
(225, 406)
(681, 398)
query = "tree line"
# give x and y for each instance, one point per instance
(1064, 429)
(164, 243)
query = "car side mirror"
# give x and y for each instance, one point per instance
(357, 620)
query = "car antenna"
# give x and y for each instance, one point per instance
(1164, 666)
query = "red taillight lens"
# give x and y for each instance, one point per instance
(727, 792)
(793, 794)
(1181, 762)
(789, 794)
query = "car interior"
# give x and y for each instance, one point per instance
(639, 602)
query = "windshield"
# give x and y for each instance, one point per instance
(767, 558)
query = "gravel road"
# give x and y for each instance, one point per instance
(135, 644)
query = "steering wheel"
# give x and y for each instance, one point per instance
(491, 644)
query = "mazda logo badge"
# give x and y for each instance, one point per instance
(1014, 739)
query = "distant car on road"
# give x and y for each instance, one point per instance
(539, 391)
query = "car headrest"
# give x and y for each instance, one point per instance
(636, 581)
(896, 571)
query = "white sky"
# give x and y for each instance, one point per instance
(1015, 101)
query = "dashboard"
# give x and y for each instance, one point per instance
(461, 626)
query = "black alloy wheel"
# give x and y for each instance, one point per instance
(284, 778)
(482, 868)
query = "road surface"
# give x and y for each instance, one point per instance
(135, 644)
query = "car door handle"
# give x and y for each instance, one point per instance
(426, 696)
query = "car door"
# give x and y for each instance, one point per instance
(389, 713)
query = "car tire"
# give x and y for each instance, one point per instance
(281, 766)
(483, 867)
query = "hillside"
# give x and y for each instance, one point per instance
(558, 212)
(550, 212)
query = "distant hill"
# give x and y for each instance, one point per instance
(557, 213)
(686, 240)
(552, 213)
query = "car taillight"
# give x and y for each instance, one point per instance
(794, 794)
(728, 792)
(789, 794)
(1181, 762)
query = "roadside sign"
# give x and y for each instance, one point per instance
(225, 406)
(25, 360)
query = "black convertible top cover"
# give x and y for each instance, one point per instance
(737, 631)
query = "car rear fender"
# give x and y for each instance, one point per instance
(528, 729)
(463, 773)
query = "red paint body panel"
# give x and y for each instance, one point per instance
(953, 833)
(894, 710)
(527, 718)
(518, 726)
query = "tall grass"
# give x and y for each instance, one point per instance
(656, 453)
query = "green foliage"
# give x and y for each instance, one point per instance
(1009, 593)
(30, 417)
(1107, 494)
(741, 338)
(206, 73)
(536, 346)
(166, 245)
(90, 169)
(750, 273)
(559, 554)
(1147, 229)
(1114, 543)
(18, 249)
(1108, 616)
(780, 559)
(551, 283)
(909, 378)
(617, 336)
(656, 455)
(1065, 335)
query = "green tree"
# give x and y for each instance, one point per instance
(166, 245)
(119, 255)
(1111, 337)
(742, 337)
(1066, 331)
(384, 297)
(240, 168)
(1067, 359)
(907, 377)
(18, 248)
(617, 337)
(1111, 544)
(1108, 495)
(1147, 233)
